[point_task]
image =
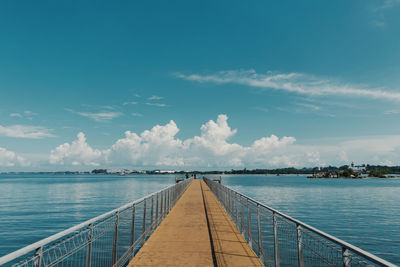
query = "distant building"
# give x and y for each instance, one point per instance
(359, 168)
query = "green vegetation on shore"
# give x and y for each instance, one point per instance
(379, 172)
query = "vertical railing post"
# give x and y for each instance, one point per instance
(346, 257)
(168, 202)
(242, 218)
(300, 246)
(161, 206)
(89, 247)
(157, 221)
(115, 239)
(165, 204)
(237, 209)
(151, 212)
(249, 223)
(38, 257)
(144, 222)
(232, 193)
(229, 202)
(276, 243)
(132, 241)
(260, 243)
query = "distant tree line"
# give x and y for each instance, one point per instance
(376, 170)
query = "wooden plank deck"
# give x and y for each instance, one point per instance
(197, 232)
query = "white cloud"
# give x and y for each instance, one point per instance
(155, 97)
(76, 153)
(137, 114)
(26, 131)
(292, 82)
(392, 112)
(159, 146)
(262, 109)
(130, 103)
(16, 115)
(387, 4)
(11, 159)
(309, 106)
(378, 12)
(29, 113)
(156, 104)
(100, 116)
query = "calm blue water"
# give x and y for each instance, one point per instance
(363, 212)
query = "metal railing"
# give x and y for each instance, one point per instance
(111, 239)
(280, 240)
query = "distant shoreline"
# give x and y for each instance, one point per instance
(308, 175)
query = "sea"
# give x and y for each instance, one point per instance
(363, 212)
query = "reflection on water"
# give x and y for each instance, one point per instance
(33, 207)
(363, 212)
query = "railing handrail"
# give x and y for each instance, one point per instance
(20, 252)
(336, 240)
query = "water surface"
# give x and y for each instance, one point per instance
(364, 212)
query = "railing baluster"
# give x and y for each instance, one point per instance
(242, 217)
(38, 257)
(165, 204)
(156, 219)
(132, 241)
(300, 247)
(151, 213)
(115, 239)
(89, 246)
(144, 222)
(276, 243)
(249, 223)
(236, 209)
(161, 206)
(346, 257)
(260, 243)
(229, 202)
(169, 204)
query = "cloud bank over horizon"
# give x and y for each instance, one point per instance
(160, 148)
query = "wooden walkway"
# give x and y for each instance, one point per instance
(197, 232)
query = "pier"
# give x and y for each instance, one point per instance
(192, 223)
(197, 232)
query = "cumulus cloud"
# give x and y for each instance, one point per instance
(25, 131)
(11, 159)
(159, 147)
(292, 82)
(76, 153)
(155, 147)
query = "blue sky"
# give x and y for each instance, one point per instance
(323, 74)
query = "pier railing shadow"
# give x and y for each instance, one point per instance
(111, 239)
(280, 240)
